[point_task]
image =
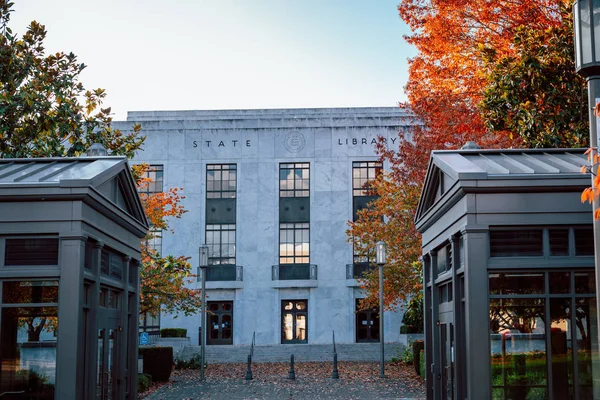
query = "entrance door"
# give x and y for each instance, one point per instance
(294, 321)
(109, 336)
(447, 353)
(220, 322)
(367, 324)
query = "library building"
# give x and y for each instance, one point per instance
(271, 193)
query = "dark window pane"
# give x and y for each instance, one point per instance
(561, 347)
(584, 241)
(586, 319)
(526, 242)
(560, 282)
(559, 242)
(30, 292)
(104, 262)
(31, 252)
(516, 283)
(518, 347)
(28, 349)
(585, 282)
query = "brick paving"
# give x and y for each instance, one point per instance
(358, 380)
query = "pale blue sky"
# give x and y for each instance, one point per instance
(223, 54)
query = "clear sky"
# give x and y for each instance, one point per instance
(225, 54)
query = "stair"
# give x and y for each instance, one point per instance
(301, 352)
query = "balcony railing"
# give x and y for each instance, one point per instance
(355, 271)
(223, 272)
(294, 272)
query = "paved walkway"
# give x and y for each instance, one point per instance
(357, 381)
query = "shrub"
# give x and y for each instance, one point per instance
(173, 332)
(158, 362)
(144, 382)
(412, 320)
(192, 363)
(417, 347)
(422, 364)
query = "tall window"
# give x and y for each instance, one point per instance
(155, 173)
(221, 193)
(294, 243)
(364, 173)
(294, 213)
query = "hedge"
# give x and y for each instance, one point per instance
(173, 332)
(144, 382)
(418, 346)
(158, 362)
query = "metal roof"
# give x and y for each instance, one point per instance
(482, 164)
(54, 170)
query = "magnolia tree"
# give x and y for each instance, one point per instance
(45, 111)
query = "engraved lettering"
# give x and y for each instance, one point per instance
(195, 144)
(234, 142)
(393, 140)
(248, 143)
(221, 144)
(363, 141)
(373, 141)
(207, 143)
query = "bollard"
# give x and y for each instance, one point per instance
(292, 374)
(249, 371)
(334, 374)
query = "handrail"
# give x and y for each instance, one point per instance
(334, 351)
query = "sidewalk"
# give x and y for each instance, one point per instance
(358, 380)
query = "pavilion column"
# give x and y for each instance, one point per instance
(70, 341)
(477, 327)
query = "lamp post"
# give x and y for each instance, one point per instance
(586, 19)
(381, 249)
(203, 264)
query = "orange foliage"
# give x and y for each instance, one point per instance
(164, 279)
(446, 83)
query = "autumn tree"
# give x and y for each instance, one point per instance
(45, 111)
(469, 82)
(164, 279)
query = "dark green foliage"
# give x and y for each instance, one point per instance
(535, 93)
(144, 382)
(412, 320)
(44, 110)
(173, 332)
(422, 364)
(158, 362)
(193, 363)
(418, 346)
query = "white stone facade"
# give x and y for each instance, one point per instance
(257, 141)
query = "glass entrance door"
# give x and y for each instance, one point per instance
(107, 356)
(220, 322)
(447, 353)
(367, 324)
(294, 321)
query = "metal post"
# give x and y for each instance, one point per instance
(334, 373)
(292, 373)
(381, 339)
(203, 263)
(203, 323)
(593, 99)
(249, 370)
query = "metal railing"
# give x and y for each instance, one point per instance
(222, 272)
(294, 271)
(356, 270)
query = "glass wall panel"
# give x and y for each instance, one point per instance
(561, 348)
(518, 348)
(28, 351)
(30, 292)
(585, 334)
(517, 283)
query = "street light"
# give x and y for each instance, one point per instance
(586, 18)
(380, 250)
(203, 264)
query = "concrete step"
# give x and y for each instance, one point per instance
(301, 352)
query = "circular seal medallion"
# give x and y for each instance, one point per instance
(294, 142)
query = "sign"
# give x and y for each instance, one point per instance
(144, 339)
